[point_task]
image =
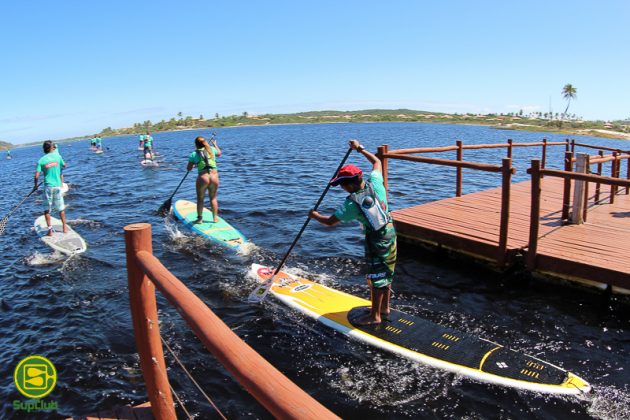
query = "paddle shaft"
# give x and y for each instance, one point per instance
(308, 219)
(180, 184)
(6, 218)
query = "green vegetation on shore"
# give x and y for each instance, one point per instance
(5, 146)
(546, 122)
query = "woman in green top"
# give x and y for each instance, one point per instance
(204, 157)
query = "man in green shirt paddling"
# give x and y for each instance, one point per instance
(50, 165)
(367, 203)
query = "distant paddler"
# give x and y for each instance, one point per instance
(93, 143)
(98, 144)
(147, 145)
(141, 141)
(204, 157)
(9, 154)
(367, 203)
(50, 165)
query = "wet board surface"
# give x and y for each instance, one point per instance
(70, 243)
(149, 163)
(221, 231)
(422, 340)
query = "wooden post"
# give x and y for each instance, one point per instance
(506, 172)
(544, 154)
(587, 170)
(566, 196)
(145, 323)
(578, 193)
(381, 151)
(509, 149)
(567, 147)
(534, 218)
(460, 157)
(599, 172)
(628, 175)
(572, 145)
(613, 174)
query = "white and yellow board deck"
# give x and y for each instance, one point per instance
(422, 340)
(70, 243)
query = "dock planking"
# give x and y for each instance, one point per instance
(593, 252)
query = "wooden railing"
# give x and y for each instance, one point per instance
(536, 174)
(507, 171)
(279, 395)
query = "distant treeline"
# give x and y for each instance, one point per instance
(535, 121)
(4, 145)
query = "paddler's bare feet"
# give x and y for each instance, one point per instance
(50, 232)
(198, 221)
(386, 316)
(216, 219)
(65, 229)
(368, 320)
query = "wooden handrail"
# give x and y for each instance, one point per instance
(422, 150)
(473, 146)
(584, 177)
(610, 149)
(145, 323)
(454, 163)
(279, 395)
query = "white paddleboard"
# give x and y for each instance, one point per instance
(148, 163)
(67, 243)
(98, 151)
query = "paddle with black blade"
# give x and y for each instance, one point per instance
(5, 219)
(259, 294)
(165, 208)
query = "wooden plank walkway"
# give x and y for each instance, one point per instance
(594, 251)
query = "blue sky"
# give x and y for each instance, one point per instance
(71, 68)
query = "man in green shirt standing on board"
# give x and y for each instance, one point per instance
(50, 165)
(148, 146)
(367, 203)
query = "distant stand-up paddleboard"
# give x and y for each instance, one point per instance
(99, 151)
(149, 163)
(67, 243)
(422, 340)
(140, 148)
(221, 231)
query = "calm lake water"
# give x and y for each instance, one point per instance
(76, 313)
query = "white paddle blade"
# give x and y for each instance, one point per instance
(260, 293)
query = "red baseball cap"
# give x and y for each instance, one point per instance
(347, 172)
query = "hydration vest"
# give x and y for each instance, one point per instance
(204, 155)
(374, 210)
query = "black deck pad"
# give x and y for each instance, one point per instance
(434, 340)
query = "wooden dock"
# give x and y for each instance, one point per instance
(594, 252)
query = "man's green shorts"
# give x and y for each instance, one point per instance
(380, 255)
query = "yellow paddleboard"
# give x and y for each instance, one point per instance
(422, 340)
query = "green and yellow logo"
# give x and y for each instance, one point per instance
(35, 376)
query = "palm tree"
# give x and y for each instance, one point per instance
(568, 92)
